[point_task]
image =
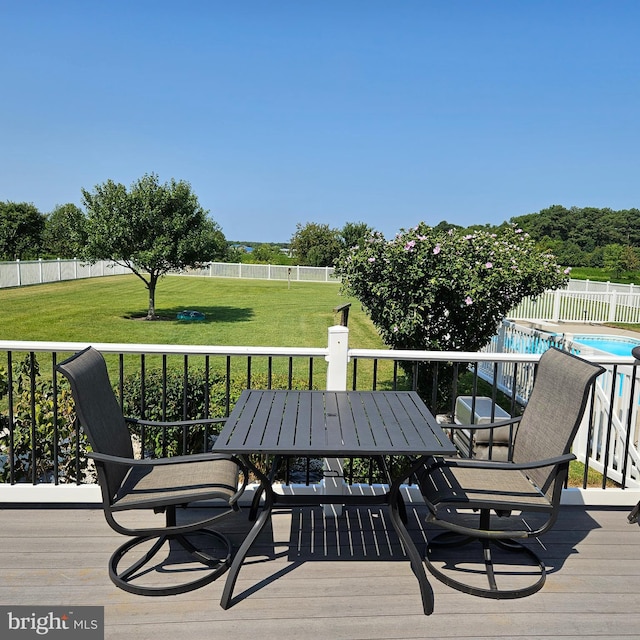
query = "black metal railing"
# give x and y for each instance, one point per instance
(40, 441)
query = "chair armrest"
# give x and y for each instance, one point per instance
(154, 462)
(509, 466)
(488, 425)
(178, 423)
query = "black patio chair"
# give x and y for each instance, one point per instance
(159, 485)
(461, 494)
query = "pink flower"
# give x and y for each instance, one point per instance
(489, 265)
(567, 271)
(468, 300)
(436, 249)
(371, 259)
(409, 245)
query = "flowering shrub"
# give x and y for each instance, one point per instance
(438, 290)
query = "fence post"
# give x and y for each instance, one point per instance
(613, 303)
(556, 306)
(337, 359)
(19, 274)
(59, 270)
(40, 270)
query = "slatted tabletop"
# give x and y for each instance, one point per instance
(332, 424)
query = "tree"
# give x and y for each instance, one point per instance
(267, 253)
(618, 259)
(64, 233)
(21, 227)
(315, 245)
(151, 229)
(445, 291)
(354, 233)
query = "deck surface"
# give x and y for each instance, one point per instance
(311, 576)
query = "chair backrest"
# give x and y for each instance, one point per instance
(97, 408)
(554, 411)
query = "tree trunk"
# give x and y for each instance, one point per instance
(151, 313)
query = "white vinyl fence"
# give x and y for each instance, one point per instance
(27, 272)
(581, 305)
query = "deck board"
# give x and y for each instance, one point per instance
(312, 576)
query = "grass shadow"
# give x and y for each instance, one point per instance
(212, 314)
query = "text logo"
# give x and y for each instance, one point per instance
(24, 622)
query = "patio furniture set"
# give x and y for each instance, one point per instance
(337, 424)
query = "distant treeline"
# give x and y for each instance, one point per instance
(587, 237)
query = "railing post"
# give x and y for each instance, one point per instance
(501, 347)
(337, 359)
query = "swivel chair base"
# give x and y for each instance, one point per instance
(124, 579)
(450, 539)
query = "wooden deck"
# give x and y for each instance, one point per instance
(316, 577)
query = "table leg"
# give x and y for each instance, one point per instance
(255, 503)
(258, 525)
(396, 505)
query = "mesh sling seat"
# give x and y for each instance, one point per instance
(159, 485)
(461, 494)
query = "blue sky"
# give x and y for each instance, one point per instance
(281, 112)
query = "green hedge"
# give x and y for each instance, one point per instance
(40, 433)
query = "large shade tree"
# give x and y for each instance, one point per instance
(354, 233)
(64, 232)
(430, 289)
(21, 228)
(315, 245)
(151, 228)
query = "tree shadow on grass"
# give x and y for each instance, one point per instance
(212, 314)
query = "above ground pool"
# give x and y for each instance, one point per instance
(615, 345)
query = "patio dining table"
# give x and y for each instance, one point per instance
(332, 424)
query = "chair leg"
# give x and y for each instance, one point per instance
(450, 539)
(126, 578)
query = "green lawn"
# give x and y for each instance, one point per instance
(238, 312)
